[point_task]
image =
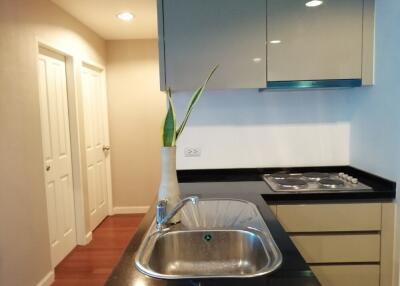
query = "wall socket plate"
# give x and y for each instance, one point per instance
(192, 152)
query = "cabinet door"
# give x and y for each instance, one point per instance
(330, 217)
(314, 43)
(201, 34)
(338, 248)
(347, 275)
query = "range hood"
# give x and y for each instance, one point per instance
(310, 84)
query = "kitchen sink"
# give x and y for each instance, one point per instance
(215, 238)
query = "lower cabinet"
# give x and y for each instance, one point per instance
(339, 248)
(345, 244)
(347, 275)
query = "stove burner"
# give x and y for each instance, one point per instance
(317, 182)
(281, 176)
(316, 176)
(331, 183)
(292, 183)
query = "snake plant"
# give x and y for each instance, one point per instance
(170, 132)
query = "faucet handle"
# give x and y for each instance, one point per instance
(161, 211)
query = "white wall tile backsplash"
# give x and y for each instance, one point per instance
(266, 145)
(246, 128)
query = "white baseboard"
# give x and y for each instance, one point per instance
(131, 210)
(47, 280)
(88, 237)
(84, 239)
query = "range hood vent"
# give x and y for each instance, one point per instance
(311, 84)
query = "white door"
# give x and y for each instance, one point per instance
(56, 154)
(96, 143)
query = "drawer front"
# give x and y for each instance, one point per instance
(347, 275)
(273, 209)
(330, 217)
(338, 248)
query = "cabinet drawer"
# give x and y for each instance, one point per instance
(273, 209)
(330, 217)
(347, 275)
(338, 248)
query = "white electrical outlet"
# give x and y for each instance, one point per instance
(192, 152)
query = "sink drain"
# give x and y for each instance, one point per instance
(207, 237)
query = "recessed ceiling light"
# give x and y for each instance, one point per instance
(314, 3)
(257, 60)
(125, 16)
(275, 42)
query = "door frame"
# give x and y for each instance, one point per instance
(76, 126)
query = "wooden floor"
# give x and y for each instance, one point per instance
(91, 264)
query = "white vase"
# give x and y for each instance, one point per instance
(169, 186)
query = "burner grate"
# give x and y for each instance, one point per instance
(292, 183)
(331, 183)
(281, 176)
(316, 176)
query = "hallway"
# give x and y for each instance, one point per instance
(91, 264)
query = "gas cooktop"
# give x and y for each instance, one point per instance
(313, 182)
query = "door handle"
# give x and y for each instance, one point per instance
(106, 148)
(48, 168)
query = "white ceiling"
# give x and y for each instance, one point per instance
(100, 16)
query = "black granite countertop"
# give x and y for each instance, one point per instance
(250, 180)
(247, 184)
(294, 271)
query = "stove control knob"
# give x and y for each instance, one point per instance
(349, 178)
(341, 174)
(345, 176)
(354, 181)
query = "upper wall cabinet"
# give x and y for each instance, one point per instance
(196, 35)
(260, 43)
(314, 43)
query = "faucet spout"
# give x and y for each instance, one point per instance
(162, 217)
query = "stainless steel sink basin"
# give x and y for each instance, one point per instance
(216, 238)
(210, 253)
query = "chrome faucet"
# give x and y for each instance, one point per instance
(162, 218)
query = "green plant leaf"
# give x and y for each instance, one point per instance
(169, 132)
(195, 98)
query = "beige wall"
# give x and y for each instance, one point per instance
(24, 245)
(136, 110)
